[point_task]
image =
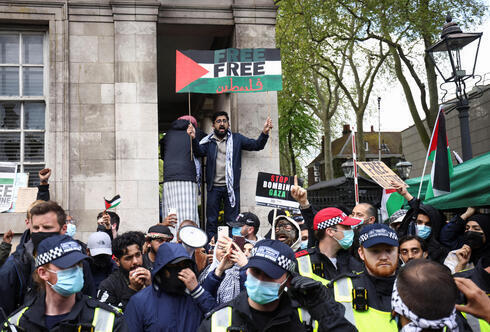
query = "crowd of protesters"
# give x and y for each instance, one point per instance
(327, 269)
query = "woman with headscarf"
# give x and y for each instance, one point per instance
(468, 236)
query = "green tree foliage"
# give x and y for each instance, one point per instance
(407, 28)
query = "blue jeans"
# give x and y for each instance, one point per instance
(215, 196)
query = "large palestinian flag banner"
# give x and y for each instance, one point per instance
(228, 70)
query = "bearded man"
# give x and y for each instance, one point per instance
(367, 296)
(223, 152)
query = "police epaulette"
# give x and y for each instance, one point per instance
(301, 253)
(94, 303)
(344, 275)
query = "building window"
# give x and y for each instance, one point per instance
(23, 100)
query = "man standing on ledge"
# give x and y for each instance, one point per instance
(223, 150)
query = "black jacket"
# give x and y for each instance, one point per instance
(286, 318)
(323, 267)
(115, 289)
(175, 149)
(16, 284)
(82, 314)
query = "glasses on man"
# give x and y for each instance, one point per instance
(221, 121)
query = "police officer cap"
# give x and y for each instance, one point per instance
(371, 235)
(272, 257)
(60, 250)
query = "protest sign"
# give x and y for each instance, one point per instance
(274, 190)
(380, 173)
(25, 197)
(228, 70)
(7, 183)
(21, 181)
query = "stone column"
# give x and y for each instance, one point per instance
(136, 113)
(255, 28)
(91, 156)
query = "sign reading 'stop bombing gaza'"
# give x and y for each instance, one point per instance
(274, 190)
(228, 70)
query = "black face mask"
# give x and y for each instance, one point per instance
(102, 263)
(39, 236)
(473, 239)
(172, 284)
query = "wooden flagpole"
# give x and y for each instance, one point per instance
(354, 161)
(190, 138)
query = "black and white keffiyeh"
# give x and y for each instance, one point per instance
(417, 324)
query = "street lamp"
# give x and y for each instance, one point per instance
(348, 169)
(403, 168)
(452, 42)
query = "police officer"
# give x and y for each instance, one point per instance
(60, 306)
(334, 234)
(367, 295)
(265, 306)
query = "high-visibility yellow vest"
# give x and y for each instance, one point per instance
(476, 324)
(221, 319)
(306, 270)
(370, 320)
(103, 320)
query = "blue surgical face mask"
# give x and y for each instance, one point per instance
(236, 231)
(71, 230)
(347, 240)
(423, 231)
(304, 244)
(70, 281)
(262, 292)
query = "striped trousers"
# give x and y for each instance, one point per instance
(182, 196)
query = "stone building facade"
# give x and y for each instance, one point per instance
(101, 86)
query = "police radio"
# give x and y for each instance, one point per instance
(359, 299)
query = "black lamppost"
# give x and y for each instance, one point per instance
(404, 168)
(451, 43)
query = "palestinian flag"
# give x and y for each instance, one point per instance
(115, 201)
(440, 155)
(228, 70)
(391, 201)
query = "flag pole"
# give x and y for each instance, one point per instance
(427, 155)
(189, 103)
(354, 162)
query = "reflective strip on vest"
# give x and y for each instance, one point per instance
(305, 317)
(103, 320)
(221, 319)
(476, 324)
(365, 321)
(304, 268)
(15, 319)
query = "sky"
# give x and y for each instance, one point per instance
(395, 115)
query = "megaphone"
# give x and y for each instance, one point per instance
(193, 236)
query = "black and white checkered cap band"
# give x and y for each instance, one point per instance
(330, 222)
(57, 252)
(274, 256)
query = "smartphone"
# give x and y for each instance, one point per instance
(240, 241)
(172, 211)
(223, 231)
